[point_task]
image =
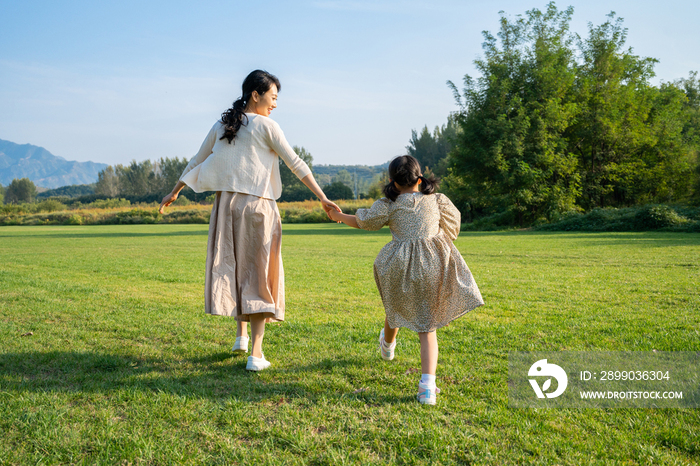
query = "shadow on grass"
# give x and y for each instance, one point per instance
(121, 234)
(218, 376)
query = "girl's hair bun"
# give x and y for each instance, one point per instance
(405, 171)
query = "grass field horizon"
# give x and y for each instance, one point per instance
(122, 366)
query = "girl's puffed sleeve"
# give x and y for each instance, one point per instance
(375, 217)
(449, 216)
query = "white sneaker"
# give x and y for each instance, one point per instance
(387, 351)
(257, 364)
(427, 394)
(241, 345)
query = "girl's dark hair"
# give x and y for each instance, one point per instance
(258, 80)
(404, 170)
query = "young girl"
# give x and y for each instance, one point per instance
(422, 278)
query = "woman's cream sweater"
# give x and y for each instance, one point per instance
(249, 164)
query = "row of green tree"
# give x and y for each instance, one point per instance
(149, 181)
(558, 123)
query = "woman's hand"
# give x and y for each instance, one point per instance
(310, 182)
(170, 198)
(167, 200)
(329, 206)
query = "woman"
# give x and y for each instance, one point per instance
(239, 160)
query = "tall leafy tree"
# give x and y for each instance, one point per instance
(615, 98)
(137, 178)
(2, 194)
(338, 190)
(431, 149)
(691, 107)
(141, 178)
(629, 137)
(664, 165)
(510, 155)
(168, 173)
(558, 123)
(107, 182)
(691, 127)
(19, 191)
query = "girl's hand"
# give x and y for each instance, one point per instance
(167, 200)
(334, 215)
(329, 206)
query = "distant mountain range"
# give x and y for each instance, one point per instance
(42, 167)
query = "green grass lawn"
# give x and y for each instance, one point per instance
(124, 367)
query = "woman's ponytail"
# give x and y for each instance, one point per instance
(233, 119)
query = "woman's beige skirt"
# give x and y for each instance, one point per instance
(244, 258)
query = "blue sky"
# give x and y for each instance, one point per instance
(116, 81)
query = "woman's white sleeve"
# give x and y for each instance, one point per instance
(449, 217)
(282, 148)
(204, 150)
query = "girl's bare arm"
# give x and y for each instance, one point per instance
(349, 220)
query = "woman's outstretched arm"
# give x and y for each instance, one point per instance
(328, 205)
(279, 144)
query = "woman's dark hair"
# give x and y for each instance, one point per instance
(258, 80)
(404, 170)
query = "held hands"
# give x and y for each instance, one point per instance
(333, 215)
(330, 208)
